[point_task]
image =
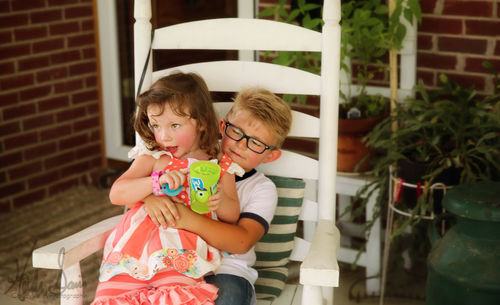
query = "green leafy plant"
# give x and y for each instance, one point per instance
(452, 127)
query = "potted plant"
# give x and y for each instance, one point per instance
(367, 36)
(452, 128)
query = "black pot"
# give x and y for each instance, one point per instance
(412, 172)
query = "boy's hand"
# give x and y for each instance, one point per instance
(162, 210)
(174, 178)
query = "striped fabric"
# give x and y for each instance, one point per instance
(273, 250)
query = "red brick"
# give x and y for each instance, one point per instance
(74, 141)
(427, 6)
(93, 108)
(473, 64)
(39, 121)
(70, 114)
(84, 97)
(48, 45)
(14, 51)
(462, 45)
(468, 81)
(40, 151)
(440, 25)
(11, 159)
(35, 92)
(61, 2)
(482, 28)
(13, 20)
(33, 63)
(55, 133)
(62, 186)
(29, 198)
(21, 140)
(53, 103)
(65, 57)
(59, 160)
(9, 98)
(88, 25)
(64, 28)
(75, 169)
(77, 12)
(6, 68)
(82, 68)
(89, 52)
(30, 33)
(16, 81)
(18, 111)
(46, 16)
(26, 169)
(27, 5)
(497, 48)
(424, 42)
(468, 8)
(10, 128)
(51, 74)
(91, 81)
(5, 37)
(10, 189)
(427, 77)
(4, 7)
(436, 61)
(41, 180)
(91, 150)
(67, 86)
(89, 123)
(81, 40)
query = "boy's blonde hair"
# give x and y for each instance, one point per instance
(268, 108)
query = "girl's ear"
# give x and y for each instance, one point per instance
(273, 156)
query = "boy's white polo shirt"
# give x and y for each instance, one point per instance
(258, 199)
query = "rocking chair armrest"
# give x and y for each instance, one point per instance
(72, 249)
(320, 267)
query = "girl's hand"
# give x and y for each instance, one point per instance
(162, 210)
(174, 178)
(215, 200)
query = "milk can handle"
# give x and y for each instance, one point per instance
(432, 231)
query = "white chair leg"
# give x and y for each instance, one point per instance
(311, 295)
(71, 285)
(373, 248)
(327, 295)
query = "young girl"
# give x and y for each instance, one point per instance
(144, 263)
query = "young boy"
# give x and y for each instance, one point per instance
(252, 133)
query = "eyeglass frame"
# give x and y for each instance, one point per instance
(245, 136)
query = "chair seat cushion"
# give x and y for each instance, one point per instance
(274, 248)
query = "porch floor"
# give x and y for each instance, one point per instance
(68, 212)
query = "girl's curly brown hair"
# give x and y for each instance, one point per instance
(187, 95)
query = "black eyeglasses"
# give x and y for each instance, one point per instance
(253, 144)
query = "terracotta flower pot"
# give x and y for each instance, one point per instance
(350, 147)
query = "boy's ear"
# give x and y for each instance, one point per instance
(222, 125)
(273, 156)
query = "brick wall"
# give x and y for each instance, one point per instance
(455, 37)
(49, 111)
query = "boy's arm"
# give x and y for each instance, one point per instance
(135, 183)
(237, 239)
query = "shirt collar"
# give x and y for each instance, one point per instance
(246, 175)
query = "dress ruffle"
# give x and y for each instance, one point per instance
(199, 294)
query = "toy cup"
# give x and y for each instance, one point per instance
(204, 176)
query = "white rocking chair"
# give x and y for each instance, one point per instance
(319, 271)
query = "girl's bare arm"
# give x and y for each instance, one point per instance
(135, 183)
